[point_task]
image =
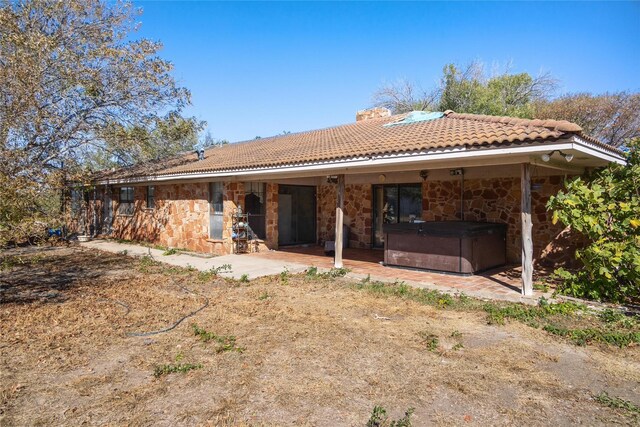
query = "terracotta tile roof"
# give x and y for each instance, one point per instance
(371, 138)
(150, 168)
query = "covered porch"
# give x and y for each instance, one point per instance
(362, 201)
(376, 176)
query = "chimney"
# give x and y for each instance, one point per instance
(372, 113)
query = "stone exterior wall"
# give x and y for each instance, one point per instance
(357, 213)
(180, 218)
(498, 200)
(372, 113)
(181, 215)
(492, 200)
(272, 216)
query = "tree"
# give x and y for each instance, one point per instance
(126, 146)
(209, 141)
(471, 90)
(77, 90)
(605, 207)
(613, 118)
(404, 96)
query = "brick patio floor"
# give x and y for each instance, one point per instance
(500, 283)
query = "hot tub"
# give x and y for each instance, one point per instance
(462, 247)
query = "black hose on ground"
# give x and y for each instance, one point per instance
(193, 313)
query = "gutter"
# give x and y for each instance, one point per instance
(406, 159)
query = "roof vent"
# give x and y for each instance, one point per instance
(417, 116)
(200, 153)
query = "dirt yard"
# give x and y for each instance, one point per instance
(307, 351)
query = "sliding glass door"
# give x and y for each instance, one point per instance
(296, 215)
(392, 204)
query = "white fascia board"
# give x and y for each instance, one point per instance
(594, 150)
(356, 165)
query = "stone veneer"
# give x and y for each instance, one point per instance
(498, 200)
(492, 200)
(181, 216)
(357, 213)
(272, 216)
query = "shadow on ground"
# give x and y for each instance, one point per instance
(32, 275)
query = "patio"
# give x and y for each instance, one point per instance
(502, 283)
(498, 284)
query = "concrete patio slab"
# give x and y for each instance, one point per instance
(500, 284)
(253, 267)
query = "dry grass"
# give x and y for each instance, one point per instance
(316, 352)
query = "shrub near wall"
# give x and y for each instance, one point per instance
(605, 207)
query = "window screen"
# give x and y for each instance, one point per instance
(151, 197)
(216, 203)
(126, 201)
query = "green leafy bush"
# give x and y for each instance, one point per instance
(173, 368)
(628, 408)
(604, 207)
(225, 342)
(431, 341)
(312, 272)
(379, 418)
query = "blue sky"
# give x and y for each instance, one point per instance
(264, 68)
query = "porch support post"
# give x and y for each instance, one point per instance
(527, 241)
(339, 222)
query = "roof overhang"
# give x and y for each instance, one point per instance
(587, 154)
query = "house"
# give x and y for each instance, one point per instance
(298, 188)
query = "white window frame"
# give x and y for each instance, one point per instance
(216, 210)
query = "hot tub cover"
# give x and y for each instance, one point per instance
(459, 229)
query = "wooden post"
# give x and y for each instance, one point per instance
(339, 222)
(527, 241)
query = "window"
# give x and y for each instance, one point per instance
(216, 203)
(410, 203)
(393, 204)
(126, 201)
(255, 205)
(151, 197)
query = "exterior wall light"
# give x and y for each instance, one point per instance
(424, 174)
(332, 179)
(547, 156)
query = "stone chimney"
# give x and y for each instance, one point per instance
(372, 113)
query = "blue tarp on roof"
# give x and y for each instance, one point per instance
(417, 116)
